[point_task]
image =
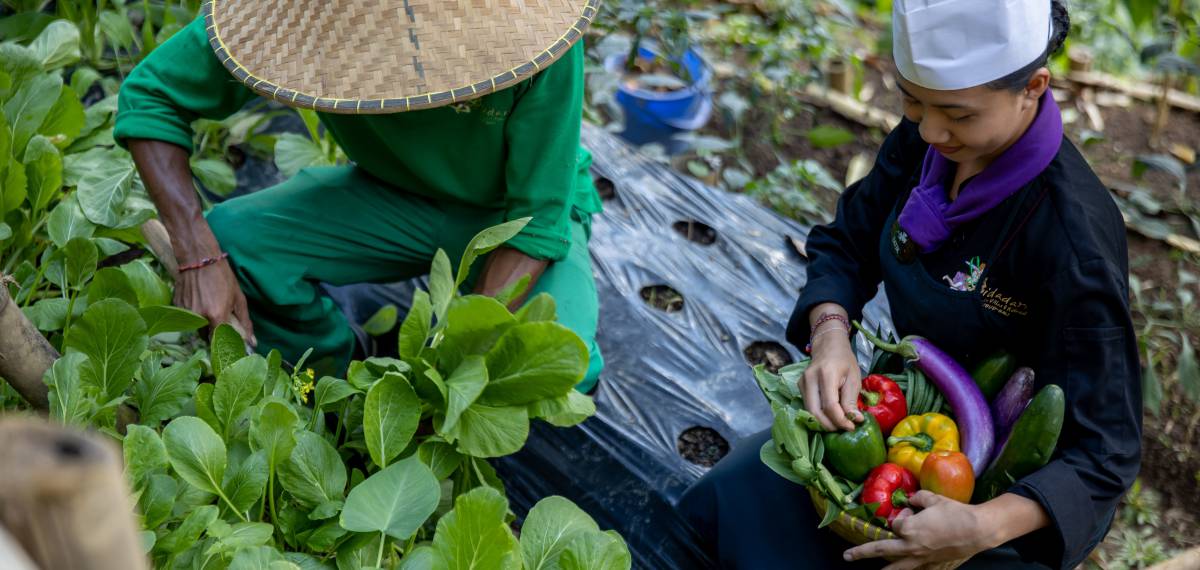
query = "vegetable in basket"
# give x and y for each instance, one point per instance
(882, 398)
(853, 454)
(889, 486)
(1011, 401)
(991, 372)
(915, 437)
(967, 402)
(1029, 445)
(949, 474)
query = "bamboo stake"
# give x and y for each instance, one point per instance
(64, 499)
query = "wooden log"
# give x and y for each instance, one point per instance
(25, 355)
(852, 108)
(1187, 560)
(64, 498)
(841, 76)
(1143, 91)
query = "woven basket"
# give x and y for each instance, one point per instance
(858, 531)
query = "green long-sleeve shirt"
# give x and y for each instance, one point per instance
(516, 149)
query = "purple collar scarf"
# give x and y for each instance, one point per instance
(929, 217)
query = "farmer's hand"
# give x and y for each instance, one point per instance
(946, 529)
(213, 291)
(832, 381)
(506, 266)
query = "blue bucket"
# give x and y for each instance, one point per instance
(654, 117)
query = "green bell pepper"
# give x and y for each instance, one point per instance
(853, 454)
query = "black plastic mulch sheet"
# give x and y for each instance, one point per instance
(739, 275)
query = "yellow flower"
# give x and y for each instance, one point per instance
(302, 384)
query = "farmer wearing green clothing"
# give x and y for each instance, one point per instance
(456, 115)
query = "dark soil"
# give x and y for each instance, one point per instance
(770, 354)
(702, 446)
(698, 232)
(663, 298)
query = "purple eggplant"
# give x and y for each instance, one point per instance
(1011, 401)
(976, 431)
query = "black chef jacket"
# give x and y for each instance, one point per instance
(1054, 293)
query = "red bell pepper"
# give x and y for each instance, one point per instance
(890, 486)
(882, 397)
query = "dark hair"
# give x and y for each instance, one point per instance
(1017, 80)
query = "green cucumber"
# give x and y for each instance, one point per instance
(992, 372)
(1029, 446)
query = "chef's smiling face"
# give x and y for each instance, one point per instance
(976, 124)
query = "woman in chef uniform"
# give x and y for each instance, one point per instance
(988, 230)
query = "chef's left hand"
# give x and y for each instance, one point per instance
(506, 266)
(943, 530)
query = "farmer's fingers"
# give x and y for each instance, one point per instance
(849, 393)
(926, 499)
(812, 397)
(242, 314)
(901, 519)
(831, 383)
(892, 547)
(905, 564)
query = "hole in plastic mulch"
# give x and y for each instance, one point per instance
(768, 353)
(663, 298)
(698, 232)
(605, 188)
(702, 446)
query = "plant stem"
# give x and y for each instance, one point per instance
(232, 507)
(382, 542)
(271, 498)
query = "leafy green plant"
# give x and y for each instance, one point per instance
(789, 189)
(294, 152)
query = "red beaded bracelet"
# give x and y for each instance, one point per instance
(822, 320)
(205, 262)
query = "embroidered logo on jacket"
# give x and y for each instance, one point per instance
(969, 280)
(1005, 305)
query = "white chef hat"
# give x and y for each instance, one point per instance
(958, 44)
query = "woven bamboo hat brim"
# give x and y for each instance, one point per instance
(389, 56)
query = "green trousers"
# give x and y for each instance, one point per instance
(339, 225)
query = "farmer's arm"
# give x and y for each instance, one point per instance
(843, 256)
(178, 83)
(543, 146)
(1092, 354)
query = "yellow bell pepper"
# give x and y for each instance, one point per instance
(915, 437)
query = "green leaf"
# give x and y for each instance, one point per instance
(539, 308)
(65, 119)
(204, 405)
(188, 532)
(473, 325)
(564, 411)
(513, 291)
(215, 174)
(420, 558)
(6, 232)
(68, 401)
(81, 262)
(162, 392)
(24, 26)
(197, 453)
(227, 347)
(332, 390)
(1189, 372)
(826, 136)
(102, 191)
(48, 314)
(67, 222)
(13, 189)
(440, 456)
(463, 387)
(383, 321)
(485, 431)
(534, 361)
(43, 172)
(29, 106)
(157, 499)
(597, 551)
(243, 535)
(391, 416)
(111, 283)
(113, 336)
(779, 463)
(274, 431)
(150, 288)
(117, 29)
(1152, 392)
(246, 484)
(326, 510)
(395, 501)
(552, 524)
(314, 472)
(260, 558)
(414, 331)
(325, 537)
(361, 551)
(294, 152)
(441, 286)
(167, 319)
(484, 242)
(144, 453)
(82, 80)
(238, 388)
(474, 534)
(109, 247)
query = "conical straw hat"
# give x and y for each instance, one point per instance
(389, 56)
